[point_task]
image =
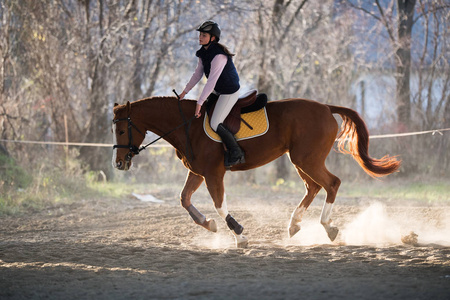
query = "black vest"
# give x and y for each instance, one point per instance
(228, 82)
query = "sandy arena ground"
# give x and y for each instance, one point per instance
(130, 249)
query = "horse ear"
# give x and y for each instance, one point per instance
(116, 104)
(128, 107)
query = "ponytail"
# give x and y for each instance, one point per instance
(225, 49)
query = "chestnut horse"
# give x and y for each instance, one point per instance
(304, 128)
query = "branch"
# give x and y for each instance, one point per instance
(385, 22)
(291, 22)
(383, 19)
(364, 10)
(433, 10)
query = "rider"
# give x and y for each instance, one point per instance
(215, 61)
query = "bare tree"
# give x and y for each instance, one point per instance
(432, 67)
(298, 49)
(76, 58)
(418, 35)
(432, 102)
(398, 20)
(72, 59)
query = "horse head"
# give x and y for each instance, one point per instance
(127, 137)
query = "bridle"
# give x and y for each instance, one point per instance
(135, 150)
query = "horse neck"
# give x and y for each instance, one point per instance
(160, 115)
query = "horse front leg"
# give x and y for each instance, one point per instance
(193, 182)
(233, 225)
(217, 192)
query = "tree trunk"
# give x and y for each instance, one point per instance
(403, 60)
(97, 128)
(444, 157)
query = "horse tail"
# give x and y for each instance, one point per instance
(354, 133)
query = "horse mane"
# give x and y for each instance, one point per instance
(164, 99)
(139, 102)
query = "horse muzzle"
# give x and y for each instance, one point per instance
(123, 165)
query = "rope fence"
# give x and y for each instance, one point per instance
(163, 145)
(433, 132)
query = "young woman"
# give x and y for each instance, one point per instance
(215, 61)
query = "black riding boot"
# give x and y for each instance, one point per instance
(234, 154)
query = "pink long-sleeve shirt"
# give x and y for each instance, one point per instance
(217, 65)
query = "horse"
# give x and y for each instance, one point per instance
(305, 129)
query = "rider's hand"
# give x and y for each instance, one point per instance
(182, 95)
(197, 111)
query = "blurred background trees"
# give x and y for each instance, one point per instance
(73, 59)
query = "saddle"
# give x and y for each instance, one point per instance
(249, 102)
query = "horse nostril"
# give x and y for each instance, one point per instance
(119, 165)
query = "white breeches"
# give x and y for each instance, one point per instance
(223, 107)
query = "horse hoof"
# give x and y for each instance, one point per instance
(241, 241)
(211, 225)
(332, 233)
(293, 229)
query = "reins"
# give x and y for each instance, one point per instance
(167, 133)
(190, 153)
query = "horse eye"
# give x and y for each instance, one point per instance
(122, 132)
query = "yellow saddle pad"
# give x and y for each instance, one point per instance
(257, 119)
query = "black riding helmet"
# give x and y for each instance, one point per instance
(210, 27)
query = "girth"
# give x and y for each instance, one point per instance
(249, 102)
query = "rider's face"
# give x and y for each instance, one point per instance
(204, 38)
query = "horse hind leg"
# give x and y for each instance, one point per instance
(325, 220)
(312, 189)
(331, 185)
(319, 174)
